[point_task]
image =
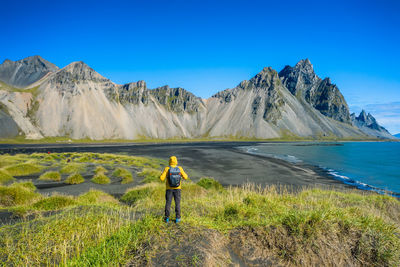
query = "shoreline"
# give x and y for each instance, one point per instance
(222, 160)
(333, 174)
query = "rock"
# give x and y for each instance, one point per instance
(134, 93)
(26, 71)
(176, 99)
(324, 96)
(368, 124)
(8, 127)
(78, 102)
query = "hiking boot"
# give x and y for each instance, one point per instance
(177, 220)
(166, 220)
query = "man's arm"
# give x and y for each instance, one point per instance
(183, 173)
(164, 174)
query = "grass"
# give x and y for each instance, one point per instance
(22, 169)
(74, 178)
(73, 167)
(101, 178)
(285, 138)
(50, 176)
(310, 227)
(96, 196)
(208, 183)
(135, 194)
(5, 177)
(302, 228)
(100, 169)
(124, 174)
(311, 218)
(18, 194)
(54, 203)
(53, 240)
(150, 175)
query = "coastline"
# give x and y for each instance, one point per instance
(221, 160)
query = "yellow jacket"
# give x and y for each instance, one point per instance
(173, 162)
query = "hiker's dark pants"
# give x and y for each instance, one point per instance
(176, 193)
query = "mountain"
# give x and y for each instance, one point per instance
(324, 96)
(78, 102)
(264, 108)
(368, 125)
(397, 136)
(24, 72)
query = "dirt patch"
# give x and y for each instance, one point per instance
(183, 245)
(271, 246)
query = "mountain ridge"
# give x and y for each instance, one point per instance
(26, 71)
(77, 101)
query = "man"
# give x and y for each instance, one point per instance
(173, 173)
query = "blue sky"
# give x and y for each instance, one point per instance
(207, 46)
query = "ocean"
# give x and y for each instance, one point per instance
(365, 165)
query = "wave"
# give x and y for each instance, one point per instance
(289, 158)
(358, 184)
(333, 173)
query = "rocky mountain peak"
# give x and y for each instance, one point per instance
(7, 61)
(77, 72)
(139, 85)
(304, 65)
(324, 96)
(363, 116)
(264, 79)
(368, 119)
(26, 71)
(134, 93)
(300, 78)
(368, 124)
(176, 99)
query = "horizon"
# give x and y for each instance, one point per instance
(208, 47)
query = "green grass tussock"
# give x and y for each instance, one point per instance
(208, 182)
(135, 194)
(118, 249)
(18, 194)
(96, 196)
(100, 178)
(23, 169)
(56, 239)
(124, 174)
(5, 177)
(54, 202)
(100, 169)
(150, 175)
(74, 178)
(28, 184)
(73, 167)
(50, 176)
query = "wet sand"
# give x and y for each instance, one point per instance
(221, 160)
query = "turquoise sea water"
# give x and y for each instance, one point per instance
(366, 165)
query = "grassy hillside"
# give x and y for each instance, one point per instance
(220, 226)
(284, 138)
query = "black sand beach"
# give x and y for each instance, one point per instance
(221, 160)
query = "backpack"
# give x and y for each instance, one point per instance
(174, 176)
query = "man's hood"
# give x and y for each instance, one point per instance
(173, 161)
